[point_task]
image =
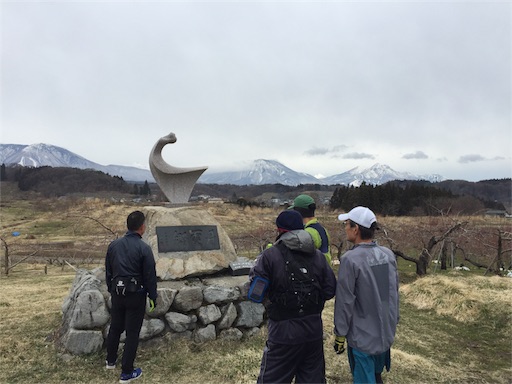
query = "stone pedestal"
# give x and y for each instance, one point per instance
(198, 309)
(206, 258)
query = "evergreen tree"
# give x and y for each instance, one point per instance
(335, 201)
(3, 175)
(145, 190)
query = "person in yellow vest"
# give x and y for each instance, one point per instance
(305, 205)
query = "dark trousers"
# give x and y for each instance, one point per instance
(127, 314)
(281, 363)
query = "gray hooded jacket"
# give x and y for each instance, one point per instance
(367, 309)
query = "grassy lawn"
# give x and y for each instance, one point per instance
(453, 329)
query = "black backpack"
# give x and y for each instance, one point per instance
(303, 293)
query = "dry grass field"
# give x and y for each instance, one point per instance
(455, 327)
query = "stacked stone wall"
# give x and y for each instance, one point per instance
(196, 309)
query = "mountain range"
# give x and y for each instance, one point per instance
(257, 173)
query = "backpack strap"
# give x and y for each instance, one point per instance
(303, 294)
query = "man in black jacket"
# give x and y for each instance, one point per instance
(296, 280)
(130, 277)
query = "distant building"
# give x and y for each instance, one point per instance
(201, 198)
(277, 202)
(497, 213)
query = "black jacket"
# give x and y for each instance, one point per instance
(129, 256)
(270, 265)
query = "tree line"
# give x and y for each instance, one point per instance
(395, 198)
(59, 181)
(412, 198)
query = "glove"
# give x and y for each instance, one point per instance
(152, 305)
(339, 344)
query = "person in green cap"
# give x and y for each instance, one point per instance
(305, 205)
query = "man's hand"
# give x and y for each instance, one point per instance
(339, 344)
(152, 305)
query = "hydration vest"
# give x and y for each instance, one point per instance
(324, 248)
(303, 294)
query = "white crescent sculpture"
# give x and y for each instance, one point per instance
(176, 183)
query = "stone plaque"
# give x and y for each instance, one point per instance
(239, 268)
(187, 238)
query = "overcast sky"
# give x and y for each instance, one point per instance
(322, 87)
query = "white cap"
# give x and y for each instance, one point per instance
(359, 215)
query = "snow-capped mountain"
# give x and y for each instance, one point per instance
(260, 172)
(38, 155)
(257, 173)
(377, 174)
(272, 172)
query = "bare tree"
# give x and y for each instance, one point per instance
(7, 260)
(469, 259)
(6, 256)
(103, 225)
(339, 248)
(425, 257)
(254, 241)
(497, 264)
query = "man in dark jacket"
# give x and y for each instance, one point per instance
(306, 206)
(130, 277)
(296, 280)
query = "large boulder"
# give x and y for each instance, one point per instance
(179, 322)
(249, 314)
(208, 314)
(188, 298)
(175, 265)
(216, 294)
(80, 342)
(164, 301)
(228, 316)
(90, 311)
(150, 328)
(202, 335)
(84, 281)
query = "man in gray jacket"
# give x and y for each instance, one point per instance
(366, 310)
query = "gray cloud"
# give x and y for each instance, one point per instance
(471, 159)
(357, 155)
(416, 155)
(316, 151)
(340, 148)
(324, 151)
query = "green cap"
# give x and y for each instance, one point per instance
(302, 201)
